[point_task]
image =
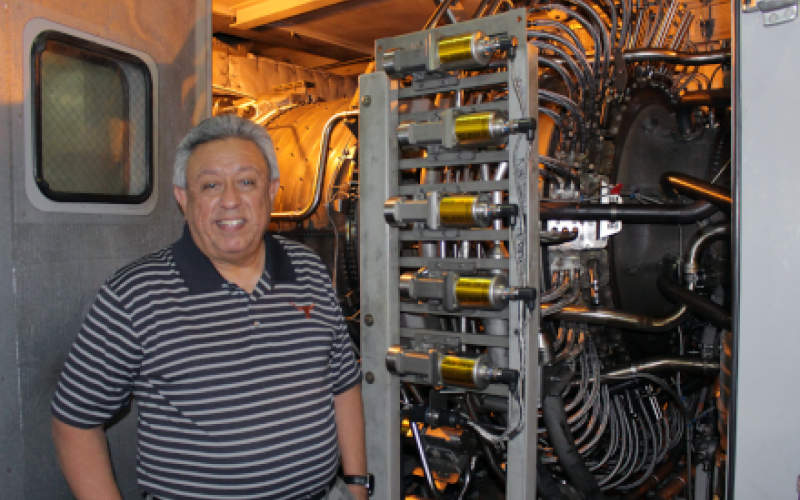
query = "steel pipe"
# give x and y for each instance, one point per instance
(664, 363)
(697, 245)
(675, 57)
(319, 176)
(632, 214)
(621, 319)
(677, 183)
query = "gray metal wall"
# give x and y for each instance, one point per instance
(52, 264)
(766, 436)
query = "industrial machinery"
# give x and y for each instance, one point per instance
(560, 335)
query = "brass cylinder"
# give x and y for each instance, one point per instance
(479, 129)
(462, 51)
(457, 211)
(462, 372)
(481, 292)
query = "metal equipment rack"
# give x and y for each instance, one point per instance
(386, 101)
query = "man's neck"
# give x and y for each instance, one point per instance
(244, 274)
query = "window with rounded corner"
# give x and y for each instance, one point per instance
(92, 121)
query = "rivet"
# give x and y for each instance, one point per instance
(369, 377)
(369, 320)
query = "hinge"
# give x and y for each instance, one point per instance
(774, 11)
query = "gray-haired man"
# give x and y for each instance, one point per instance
(232, 342)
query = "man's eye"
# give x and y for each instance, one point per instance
(209, 185)
(248, 182)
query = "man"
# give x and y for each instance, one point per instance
(232, 342)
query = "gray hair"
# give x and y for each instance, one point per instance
(223, 127)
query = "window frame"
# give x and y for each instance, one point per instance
(37, 33)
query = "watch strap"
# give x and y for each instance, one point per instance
(367, 481)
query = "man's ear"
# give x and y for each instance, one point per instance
(274, 185)
(180, 197)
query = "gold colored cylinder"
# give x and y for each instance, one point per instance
(456, 211)
(455, 50)
(459, 371)
(475, 128)
(474, 292)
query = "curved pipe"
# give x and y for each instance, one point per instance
(621, 319)
(561, 169)
(664, 363)
(698, 304)
(676, 182)
(697, 245)
(319, 176)
(632, 214)
(675, 57)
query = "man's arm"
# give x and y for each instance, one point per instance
(350, 428)
(84, 460)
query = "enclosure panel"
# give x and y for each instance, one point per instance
(52, 264)
(766, 454)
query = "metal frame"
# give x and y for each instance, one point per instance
(380, 261)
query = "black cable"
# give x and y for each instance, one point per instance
(687, 416)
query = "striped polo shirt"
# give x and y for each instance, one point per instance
(235, 390)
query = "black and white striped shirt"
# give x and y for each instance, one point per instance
(235, 390)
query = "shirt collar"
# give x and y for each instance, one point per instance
(201, 276)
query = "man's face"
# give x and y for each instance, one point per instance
(228, 200)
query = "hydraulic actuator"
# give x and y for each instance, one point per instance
(439, 210)
(440, 369)
(457, 292)
(464, 51)
(469, 130)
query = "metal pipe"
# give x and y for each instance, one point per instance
(675, 57)
(442, 7)
(714, 98)
(319, 176)
(481, 10)
(664, 363)
(697, 245)
(632, 214)
(624, 320)
(682, 32)
(666, 24)
(676, 182)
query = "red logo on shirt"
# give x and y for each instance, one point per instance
(306, 309)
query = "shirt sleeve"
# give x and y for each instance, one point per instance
(345, 369)
(98, 376)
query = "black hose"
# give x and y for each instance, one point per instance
(632, 214)
(555, 420)
(699, 305)
(546, 486)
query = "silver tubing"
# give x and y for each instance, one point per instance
(319, 175)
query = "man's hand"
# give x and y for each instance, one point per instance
(359, 492)
(84, 460)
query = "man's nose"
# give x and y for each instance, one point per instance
(230, 197)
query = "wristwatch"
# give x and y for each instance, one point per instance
(367, 482)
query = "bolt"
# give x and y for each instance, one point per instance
(369, 377)
(369, 320)
(773, 18)
(366, 101)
